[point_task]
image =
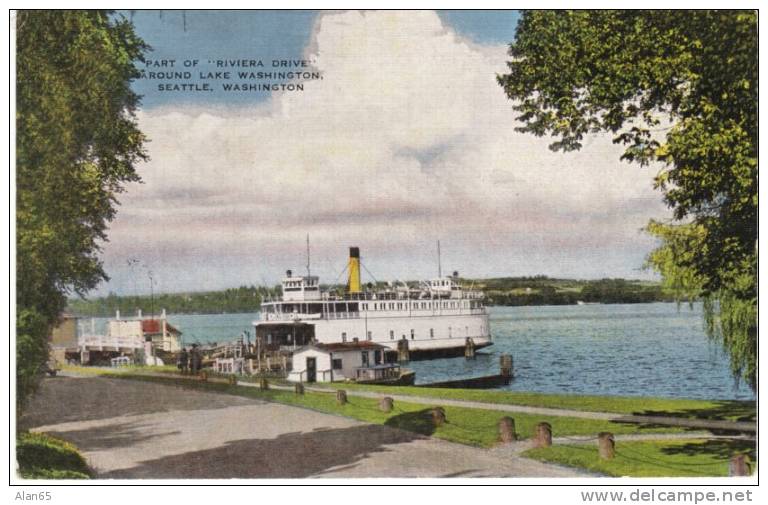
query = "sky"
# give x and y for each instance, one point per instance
(402, 138)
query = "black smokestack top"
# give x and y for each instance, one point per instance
(354, 252)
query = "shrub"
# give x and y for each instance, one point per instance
(41, 456)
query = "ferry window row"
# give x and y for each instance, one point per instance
(369, 334)
(419, 305)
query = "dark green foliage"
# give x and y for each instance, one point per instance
(77, 144)
(31, 349)
(675, 87)
(244, 299)
(620, 291)
(531, 291)
(44, 457)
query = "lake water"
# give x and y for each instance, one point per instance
(650, 349)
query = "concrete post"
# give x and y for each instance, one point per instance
(543, 437)
(386, 404)
(507, 430)
(263, 384)
(606, 445)
(438, 416)
(298, 388)
(740, 466)
(341, 397)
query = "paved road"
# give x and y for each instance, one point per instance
(140, 430)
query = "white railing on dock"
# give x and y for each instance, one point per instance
(108, 341)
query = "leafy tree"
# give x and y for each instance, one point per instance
(77, 144)
(678, 88)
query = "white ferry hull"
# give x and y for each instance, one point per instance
(424, 333)
(428, 336)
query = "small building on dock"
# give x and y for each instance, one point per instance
(162, 335)
(146, 341)
(337, 362)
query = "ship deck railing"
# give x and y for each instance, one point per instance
(403, 295)
(295, 316)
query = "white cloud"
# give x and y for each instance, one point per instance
(408, 138)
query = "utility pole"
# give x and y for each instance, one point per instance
(151, 293)
(439, 265)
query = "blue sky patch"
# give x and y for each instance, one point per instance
(187, 47)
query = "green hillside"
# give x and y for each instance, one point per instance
(510, 291)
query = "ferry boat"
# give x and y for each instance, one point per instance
(436, 318)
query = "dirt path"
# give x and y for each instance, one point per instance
(140, 430)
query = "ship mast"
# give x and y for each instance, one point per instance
(308, 274)
(439, 265)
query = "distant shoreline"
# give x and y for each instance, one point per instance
(257, 310)
(501, 292)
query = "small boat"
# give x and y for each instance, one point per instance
(390, 374)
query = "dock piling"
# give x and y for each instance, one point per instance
(507, 367)
(403, 354)
(469, 348)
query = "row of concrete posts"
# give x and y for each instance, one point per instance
(739, 465)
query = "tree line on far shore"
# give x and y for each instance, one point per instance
(510, 291)
(546, 291)
(242, 299)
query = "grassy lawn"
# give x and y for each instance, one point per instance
(41, 456)
(671, 458)
(128, 369)
(465, 425)
(703, 409)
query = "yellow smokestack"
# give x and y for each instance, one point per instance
(353, 286)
